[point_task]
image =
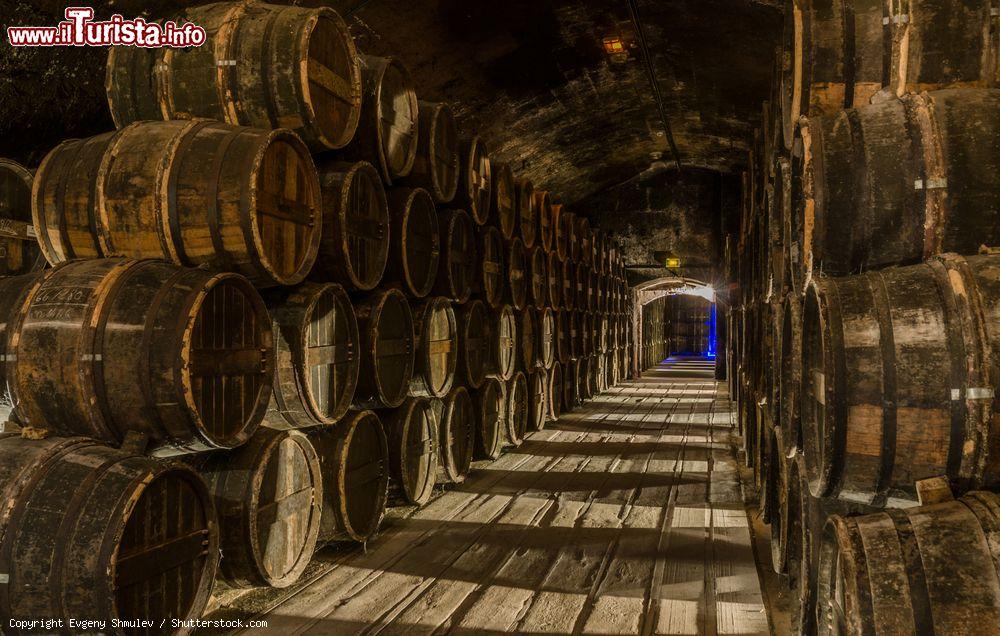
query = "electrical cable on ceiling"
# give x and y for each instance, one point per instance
(648, 60)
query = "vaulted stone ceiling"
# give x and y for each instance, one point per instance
(533, 78)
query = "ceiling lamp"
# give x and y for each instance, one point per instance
(614, 46)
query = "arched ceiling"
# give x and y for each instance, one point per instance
(533, 78)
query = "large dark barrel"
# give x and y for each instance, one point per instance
(387, 130)
(355, 244)
(790, 370)
(527, 328)
(385, 325)
(568, 284)
(940, 44)
(546, 337)
(269, 494)
(491, 418)
(492, 274)
(517, 274)
(571, 385)
(516, 422)
(456, 436)
(572, 237)
(316, 354)
(563, 330)
(527, 220)
(897, 380)
(475, 335)
(553, 280)
(84, 534)
(554, 391)
(543, 213)
(537, 278)
(413, 459)
(503, 348)
(414, 241)
(181, 355)
(503, 200)
(895, 182)
(297, 68)
(354, 458)
(584, 241)
(19, 250)
(584, 386)
(435, 168)
(561, 220)
(926, 570)
(191, 192)
(436, 331)
(475, 181)
(457, 264)
(538, 380)
(837, 55)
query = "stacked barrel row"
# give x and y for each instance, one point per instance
(284, 294)
(865, 318)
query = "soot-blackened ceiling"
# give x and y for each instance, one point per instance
(534, 79)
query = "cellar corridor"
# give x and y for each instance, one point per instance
(622, 517)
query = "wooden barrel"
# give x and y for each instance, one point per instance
(543, 214)
(538, 278)
(926, 570)
(84, 534)
(943, 44)
(790, 370)
(475, 338)
(584, 241)
(563, 329)
(297, 67)
(435, 167)
(354, 458)
(436, 330)
(355, 244)
(503, 348)
(191, 192)
(491, 418)
(553, 280)
(554, 391)
(601, 252)
(575, 338)
(527, 220)
(457, 265)
(385, 325)
(19, 250)
(896, 182)
(491, 272)
(572, 238)
(456, 436)
(413, 462)
(316, 355)
(568, 285)
(584, 385)
(538, 380)
(269, 494)
(546, 337)
(387, 131)
(475, 181)
(414, 241)
(561, 220)
(837, 55)
(517, 274)
(896, 383)
(183, 356)
(592, 289)
(503, 200)
(582, 286)
(571, 385)
(777, 490)
(516, 422)
(527, 335)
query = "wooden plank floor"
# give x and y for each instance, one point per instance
(624, 517)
